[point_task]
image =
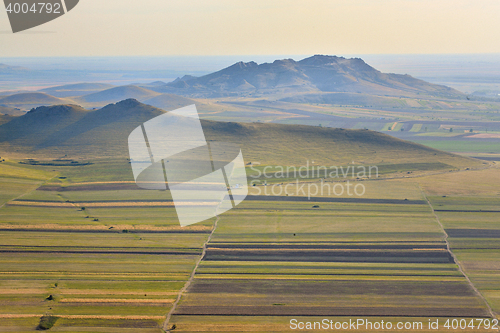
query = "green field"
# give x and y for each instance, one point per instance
(121, 268)
(463, 147)
(345, 259)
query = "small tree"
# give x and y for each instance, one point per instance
(46, 322)
(471, 130)
(451, 130)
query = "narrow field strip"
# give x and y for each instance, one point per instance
(326, 250)
(271, 198)
(320, 277)
(108, 204)
(95, 277)
(466, 211)
(115, 300)
(118, 274)
(332, 246)
(336, 265)
(103, 228)
(328, 311)
(85, 292)
(100, 252)
(107, 317)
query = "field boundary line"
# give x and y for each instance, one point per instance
(457, 262)
(190, 280)
(31, 189)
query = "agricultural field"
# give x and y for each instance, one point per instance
(473, 226)
(109, 267)
(276, 260)
(103, 256)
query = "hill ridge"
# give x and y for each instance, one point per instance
(320, 73)
(118, 93)
(77, 132)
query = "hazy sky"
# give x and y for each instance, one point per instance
(232, 27)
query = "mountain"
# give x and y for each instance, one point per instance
(76, 132)
(78, 89)
(318, 73)
(30, 100)
(116, 94)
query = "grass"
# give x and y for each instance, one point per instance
(440, 134)
(259, 256)
(12, 188)
(462, 146)
(416, 128)
(53, 251)
(11, 169)
(479, 255)
(263, 264)
(477, 183)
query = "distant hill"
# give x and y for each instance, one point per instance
(78, 89)
(318, 73)
(169, 102)
(34, 97)
(39, 124)
(153, 84)
(13, 92)
(30, 100)
(6, 69)
(73, 131)
(116, 94)
(11, 111)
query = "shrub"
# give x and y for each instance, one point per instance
(46, 322)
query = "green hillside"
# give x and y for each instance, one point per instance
(37, 125)
(70, 130)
